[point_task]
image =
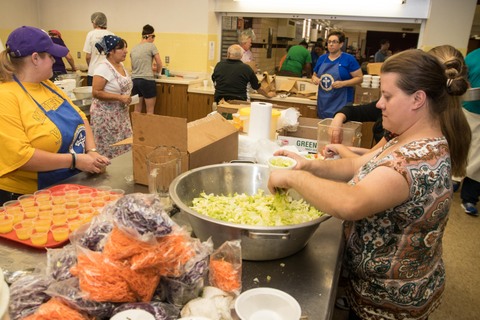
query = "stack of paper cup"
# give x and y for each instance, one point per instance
(375, 81)
(367, 79)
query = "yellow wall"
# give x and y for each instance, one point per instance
(188, 52)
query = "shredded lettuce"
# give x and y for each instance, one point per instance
(257, 210)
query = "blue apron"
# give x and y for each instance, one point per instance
(329, 100)
(72, 129)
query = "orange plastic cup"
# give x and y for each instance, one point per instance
(60, 232)
(86, 217)
(42, 225)
(47, 215)
(59, 209)
(85, 192)
(31, 212)
(39, 238)
(74, 224)
(59, 219)
(116, 194)
(69, 205)
(42, 195)
(23, 229)
(17, 216)
(84, 200)
(27, 200)
(59, 197)
(6, 223)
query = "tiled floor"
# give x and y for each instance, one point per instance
(462, 259)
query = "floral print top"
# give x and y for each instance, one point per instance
(395, 257)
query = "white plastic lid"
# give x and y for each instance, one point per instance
(133, 314)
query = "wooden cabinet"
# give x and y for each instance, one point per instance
(171, 100)
(198, 106)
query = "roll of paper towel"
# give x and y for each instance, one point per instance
(260, 118)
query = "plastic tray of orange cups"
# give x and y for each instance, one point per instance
(46, 218)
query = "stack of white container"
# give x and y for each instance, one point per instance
(370, 81)
(367, 80)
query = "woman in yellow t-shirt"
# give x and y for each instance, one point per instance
(44, 137)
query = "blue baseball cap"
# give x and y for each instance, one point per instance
(26, 40)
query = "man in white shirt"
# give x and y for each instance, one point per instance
(93, 57)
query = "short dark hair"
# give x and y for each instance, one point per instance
(147, 29)
(340, 35)
(303, 43)
(384, 41)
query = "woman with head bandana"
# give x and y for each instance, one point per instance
(111, 88)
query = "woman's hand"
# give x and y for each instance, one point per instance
(92, 162)
(315, 79)
(301, 161)
(335, 129)
(330, 151)
(126, 99)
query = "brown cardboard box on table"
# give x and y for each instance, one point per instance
(305, 138)
(205, 141)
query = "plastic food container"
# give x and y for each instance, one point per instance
(83, 92)
(351, 132)
(245, 119)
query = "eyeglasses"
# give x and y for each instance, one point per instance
(333, 42)
(151, 35)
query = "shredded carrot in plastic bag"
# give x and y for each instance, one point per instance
(225, 276)
(55, 309)
(101, 280)
(168, 256)
(142, 282)
(115, 281)
(120, 245)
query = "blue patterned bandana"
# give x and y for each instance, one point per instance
(107, 44)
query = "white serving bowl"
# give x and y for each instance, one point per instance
(281, 163)
(267, 304)
(83, 92)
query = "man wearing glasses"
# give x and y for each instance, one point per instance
(336, 74)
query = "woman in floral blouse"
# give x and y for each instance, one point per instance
(396, 199)
(111, 88)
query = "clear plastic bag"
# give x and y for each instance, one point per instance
(225, 268)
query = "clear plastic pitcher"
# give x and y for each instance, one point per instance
(164, 164)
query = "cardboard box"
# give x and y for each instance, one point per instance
(374, 94)
(305, 138)
(206, 141)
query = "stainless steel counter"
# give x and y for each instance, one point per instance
(310, 275)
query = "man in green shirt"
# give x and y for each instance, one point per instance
(298, 60)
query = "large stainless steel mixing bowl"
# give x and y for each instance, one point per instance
(258, 243)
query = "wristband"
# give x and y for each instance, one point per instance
(74, 161)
